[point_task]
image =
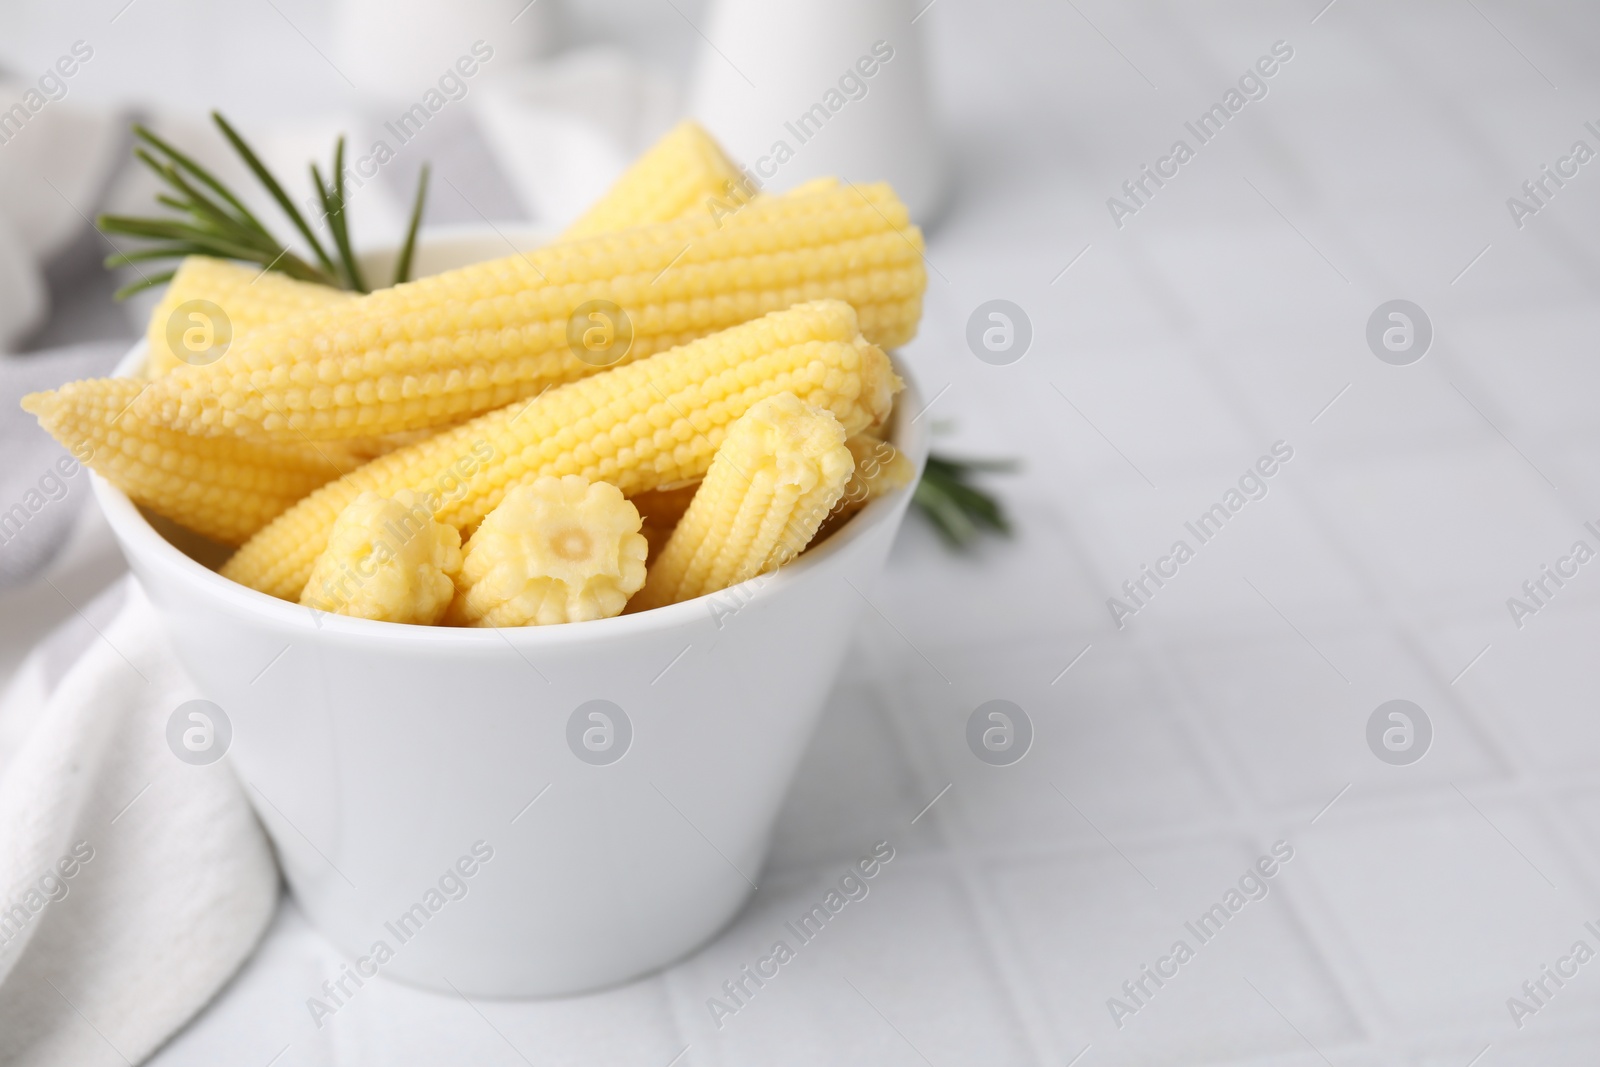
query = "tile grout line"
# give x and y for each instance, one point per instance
(1369, 1005)
(1009, 974)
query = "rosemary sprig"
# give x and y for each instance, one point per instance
(193, 168)
(402, 266)
(958, 511)
(213, 221)
(331, 195)
(264, 176)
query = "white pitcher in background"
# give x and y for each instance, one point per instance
(398, 48)
(821, 87)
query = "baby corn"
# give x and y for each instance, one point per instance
(386, 560)
(478, 338)
(780, 469)
(555, 550)
(248, 297)
(684, 171)
(647, 424)
(880, 469)
(681, 173)
(225, 488)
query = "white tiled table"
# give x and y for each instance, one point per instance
(1231, 712)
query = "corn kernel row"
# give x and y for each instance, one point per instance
(777, 475)
(226, 488)
(677, 176)
(247, 298)
(482, 336)
(639, 426)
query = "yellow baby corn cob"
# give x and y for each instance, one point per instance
(477, 338)
(780, 469)
(652, 423)
(362, 449)
(880, 469)
(225, 488)
(684, 170)
(387, 560)
(554, 550)
(247, 295)
(680, 174)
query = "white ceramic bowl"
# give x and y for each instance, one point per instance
(380, 756)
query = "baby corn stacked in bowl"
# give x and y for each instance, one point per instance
(795, 294)
(591, 517)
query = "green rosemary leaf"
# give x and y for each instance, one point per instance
(202, 205)
(948, 519)
(199, 172)
(201, 220)
(176, 230)
(339, 221)
(209, 226)
(264, 176)
(957, 509)
(146, 282)
(959, 468)
(243, 230)
(981, 508)
(402, 266)
(324, 204)
(165, 171)
(174, 202)
(325, 198)
(162, 229)
(122, 259)
(196, 241)
(186, 193)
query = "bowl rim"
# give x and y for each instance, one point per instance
(142, 541)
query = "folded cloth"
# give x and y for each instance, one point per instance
(133, 883)
(38, 497)
(55, 160)
(24, 299)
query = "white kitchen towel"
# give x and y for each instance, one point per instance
(132, 883)
(42, 487)
(23, 297)
(54, 162)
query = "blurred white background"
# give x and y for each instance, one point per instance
(1229, 312)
